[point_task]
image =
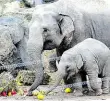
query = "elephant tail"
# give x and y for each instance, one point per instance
(27, 4)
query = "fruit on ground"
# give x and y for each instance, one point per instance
(20, 92)
(35, 93)
(13, 92)
(25, 91)
(9, 93)
(1, 89)
(68, 90)
(4, 94)
(40, 96)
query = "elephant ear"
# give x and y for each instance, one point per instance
(79, 61)
(66, 24)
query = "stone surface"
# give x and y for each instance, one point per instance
(6, 45)
(13, 30)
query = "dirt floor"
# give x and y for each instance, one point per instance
(58, 95)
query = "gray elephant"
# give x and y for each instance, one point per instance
(62, 25)
(90, 56)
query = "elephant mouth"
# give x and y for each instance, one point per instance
(49, 45)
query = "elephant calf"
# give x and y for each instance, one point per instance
(90, 56)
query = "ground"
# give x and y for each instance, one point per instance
(58, 95)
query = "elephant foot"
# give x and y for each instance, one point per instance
(72, 89)
(29, 93)
(105, 91)
(89, 93)
(92, 93)
(98, 92)
(85, 91)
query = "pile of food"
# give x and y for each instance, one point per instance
(27, 77)
(8, 85)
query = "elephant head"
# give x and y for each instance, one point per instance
(68, 66)
(47, 29)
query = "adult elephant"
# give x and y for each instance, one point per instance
(62, 25)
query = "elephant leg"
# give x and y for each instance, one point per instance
(78, 81)
(75, 80)
(52, 63)
(92, 72)
(95, 86)
(85, 89)
(69, 81)
(93, 78)
(106, 78)
(105, 85)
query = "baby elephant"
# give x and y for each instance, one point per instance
(90, 56)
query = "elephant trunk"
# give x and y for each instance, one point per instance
(35, 64)
(59, 78)
(34, 51)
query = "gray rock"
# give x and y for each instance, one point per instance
(11, 35)
(6, 44)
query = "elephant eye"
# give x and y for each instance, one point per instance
(45, 29)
